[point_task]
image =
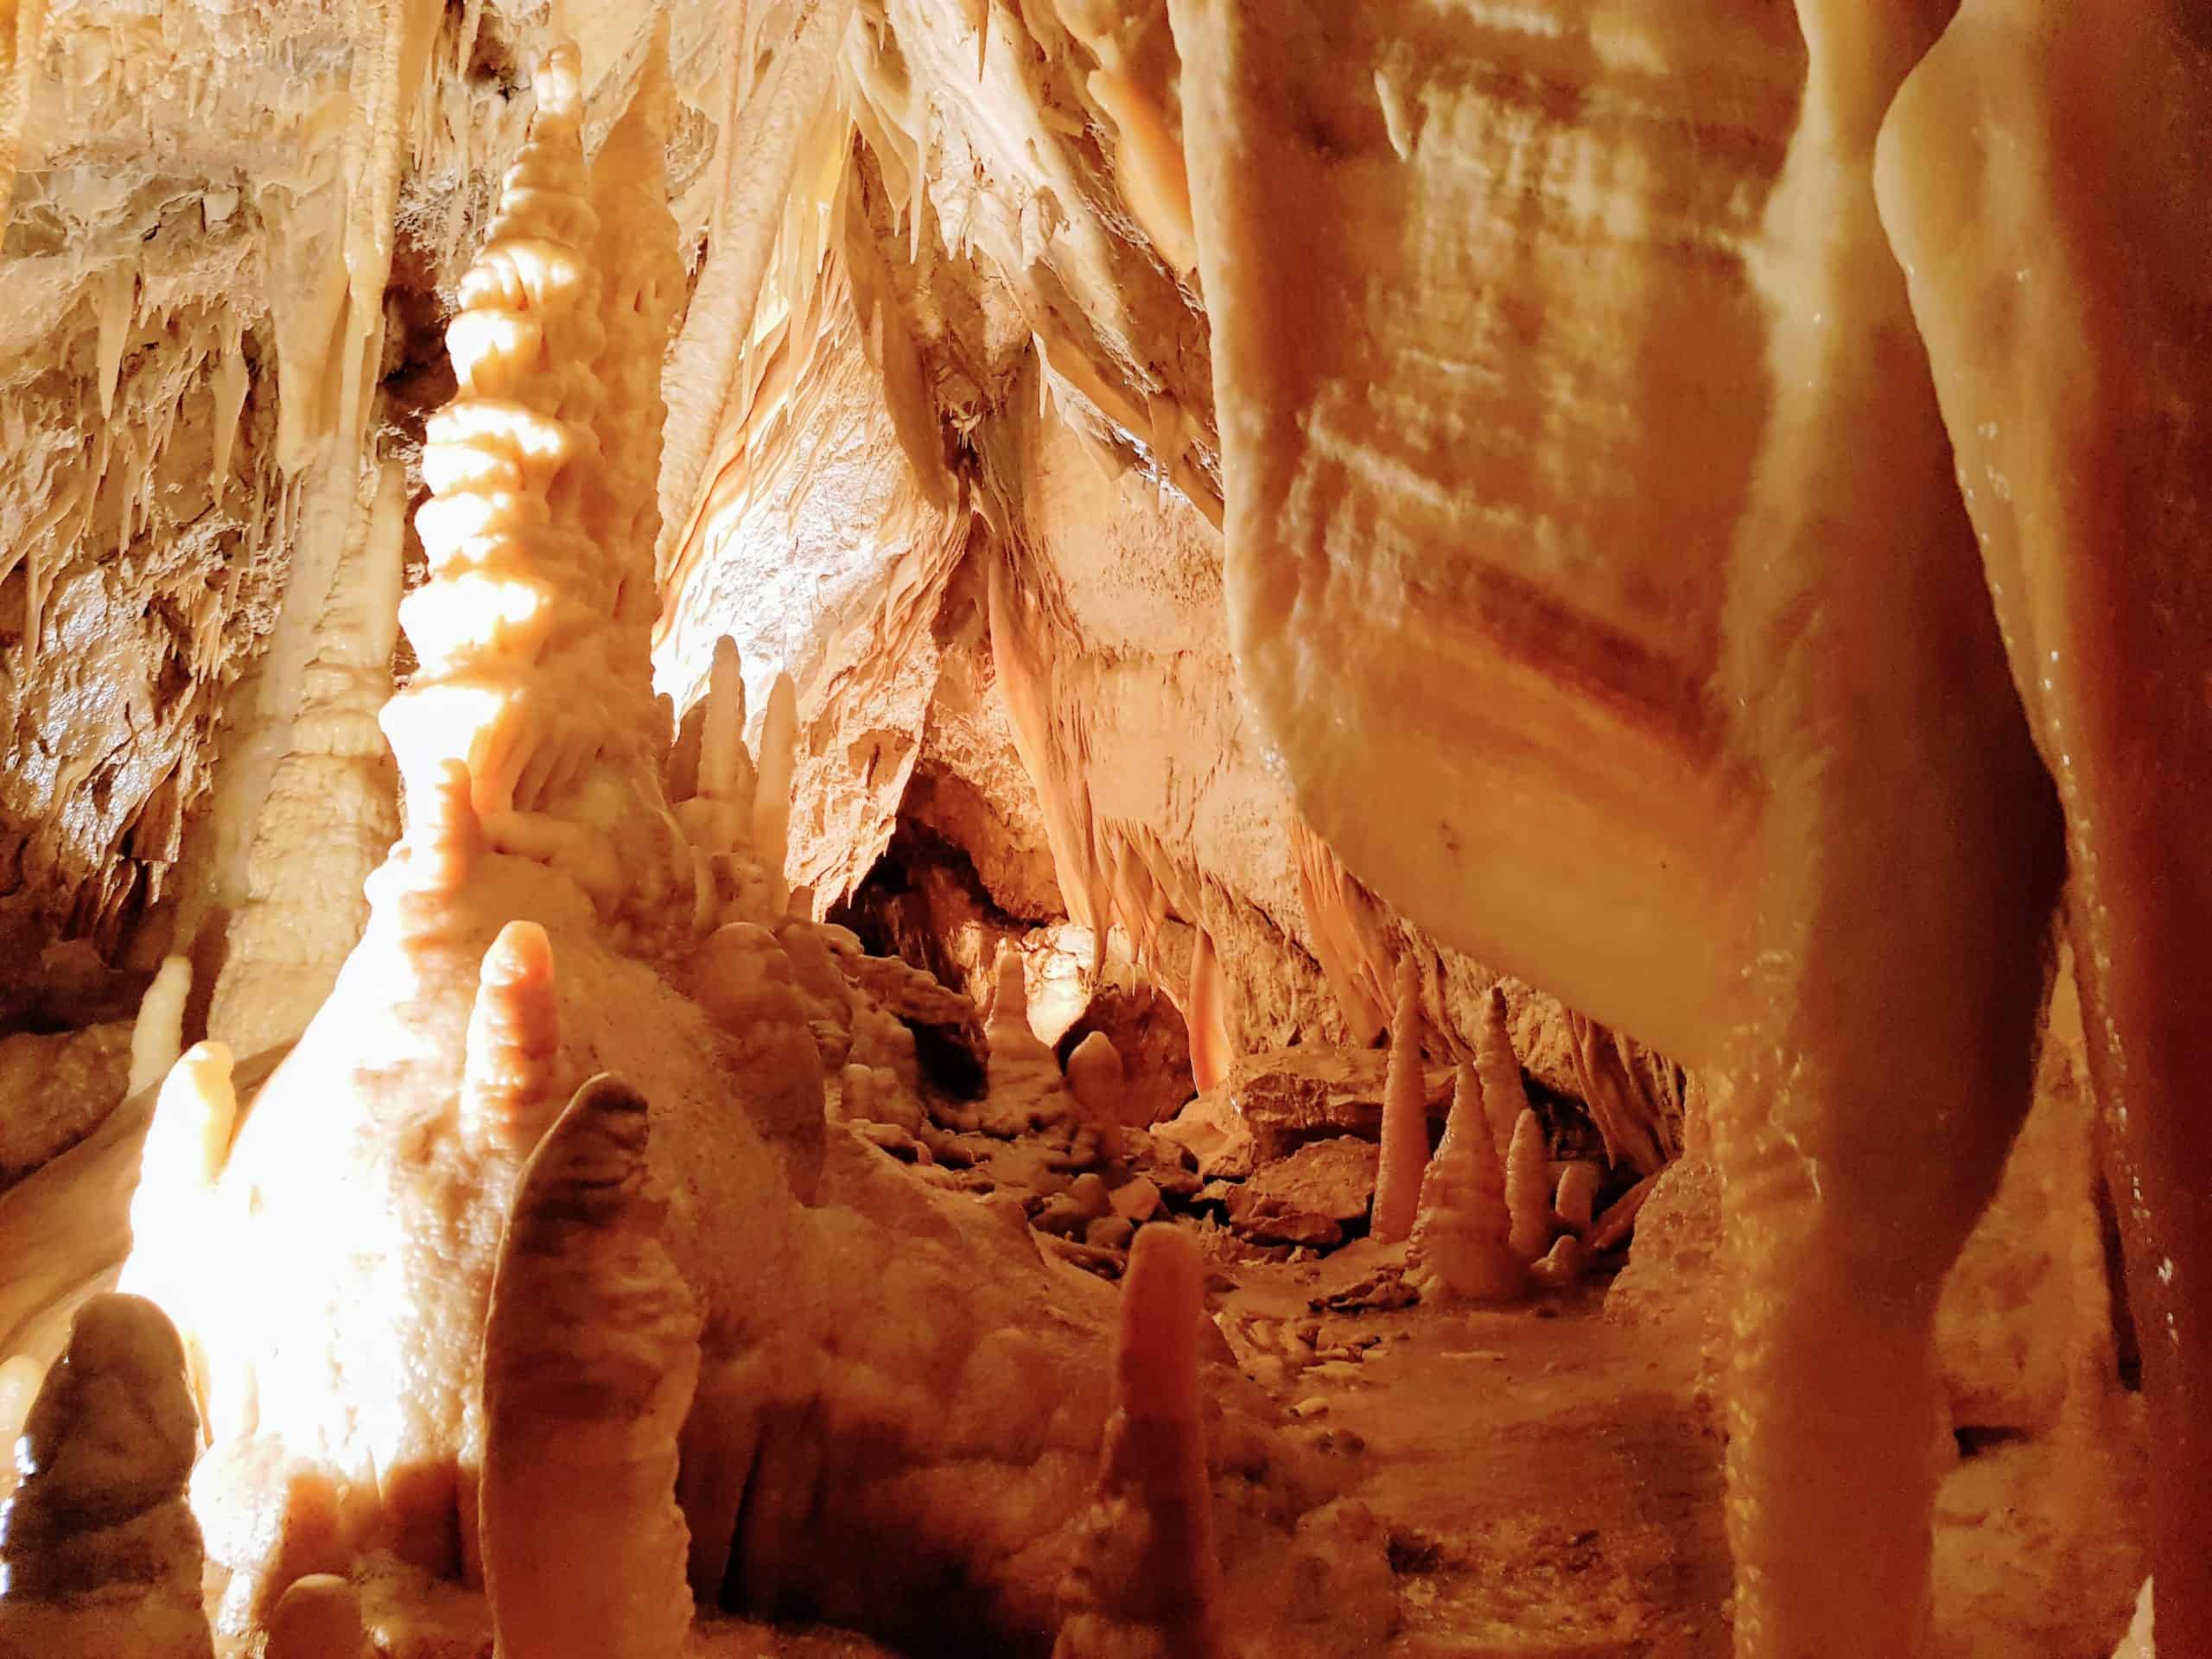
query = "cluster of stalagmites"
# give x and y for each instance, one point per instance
(570, 1336)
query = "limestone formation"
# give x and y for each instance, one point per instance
(1026, 1085)
(157, 1036)
(1405, 1117)
(591, 1353)
(1505, 1096)
(99, 1554)
(1529, 1188)
(1681, 522)
(319, 1617)
(1576, 1200)
(1095, 1079)
(1151, 1582)
(1462, 1242)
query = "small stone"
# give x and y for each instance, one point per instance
(1312, 1406)
(1109, 1233)
(1338, 1370)
(1136, 1200)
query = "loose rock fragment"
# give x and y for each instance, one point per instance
(318, 1617)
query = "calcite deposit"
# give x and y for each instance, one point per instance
(1170, 828)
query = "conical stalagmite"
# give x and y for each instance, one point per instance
(1405, 1117)
(1463, 1238)
(1151, 1584)
(100, 1558)
(1505, 1096)
(1529, 1188)
(590, 1357)
(1577, 1198)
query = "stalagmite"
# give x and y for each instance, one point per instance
(1529, 1188)
(1462, 1242)
(1405, 1116)
(1577, 1199)
(590, 1356)
(511, 1081)
(1096, 1078)
(158, 1036)
(187, 1142)
(1151, 1584)
(1505, 1096)
(2140, 1641)
(318, 1617)
(99, 1557)
(1027, 1088)
(725, 766)
(1561, 1266)
(531, 668)
(771, 800)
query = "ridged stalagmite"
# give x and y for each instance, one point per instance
(1463, 1238)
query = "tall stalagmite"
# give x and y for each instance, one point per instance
(1405, 1117)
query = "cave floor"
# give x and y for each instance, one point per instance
(1550, 1486)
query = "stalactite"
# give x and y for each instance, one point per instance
(1206, 1016)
